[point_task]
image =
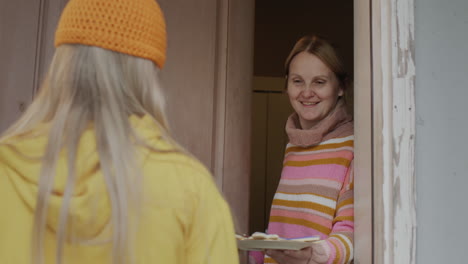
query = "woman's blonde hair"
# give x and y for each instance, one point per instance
(90, 85)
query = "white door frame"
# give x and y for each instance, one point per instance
(385, 131)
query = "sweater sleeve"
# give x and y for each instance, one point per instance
(338, 248)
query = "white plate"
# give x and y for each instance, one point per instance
(249, 244)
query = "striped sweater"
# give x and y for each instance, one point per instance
(315, 197)
(315, 193)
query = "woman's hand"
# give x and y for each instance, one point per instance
(291, 256)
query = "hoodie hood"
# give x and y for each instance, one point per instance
(89, 212)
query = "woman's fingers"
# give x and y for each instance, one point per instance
(304, 253)
(290, 256)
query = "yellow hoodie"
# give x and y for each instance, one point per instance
(184, 218)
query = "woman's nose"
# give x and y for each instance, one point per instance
(308, 92)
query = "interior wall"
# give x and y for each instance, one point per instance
(441, 33)
(279, 24)
(270, 110)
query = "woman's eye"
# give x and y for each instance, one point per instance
(297, 81)
(320, 82)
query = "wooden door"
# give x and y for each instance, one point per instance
(27, 30)
(18, 42)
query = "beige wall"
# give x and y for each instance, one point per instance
(189, 75)
(18, 39)
(27, 30)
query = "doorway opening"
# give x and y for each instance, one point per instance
(278, 25)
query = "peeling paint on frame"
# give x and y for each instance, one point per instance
(397, 108)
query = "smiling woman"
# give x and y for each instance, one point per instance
(312, 88)
(316, 79)
(315, 193)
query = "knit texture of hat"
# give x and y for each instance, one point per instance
(134, 27)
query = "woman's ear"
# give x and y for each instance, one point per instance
(340, 92)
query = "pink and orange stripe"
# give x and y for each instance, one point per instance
(315, 197)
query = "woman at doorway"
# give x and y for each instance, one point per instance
(90, 172)
(315, 193)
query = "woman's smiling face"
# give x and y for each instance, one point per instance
(313, 89)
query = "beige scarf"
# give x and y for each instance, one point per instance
(339, 123)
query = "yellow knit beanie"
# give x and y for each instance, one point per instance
(134, 27)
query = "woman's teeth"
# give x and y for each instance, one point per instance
(308, 103)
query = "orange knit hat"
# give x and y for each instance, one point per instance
(134, 27)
